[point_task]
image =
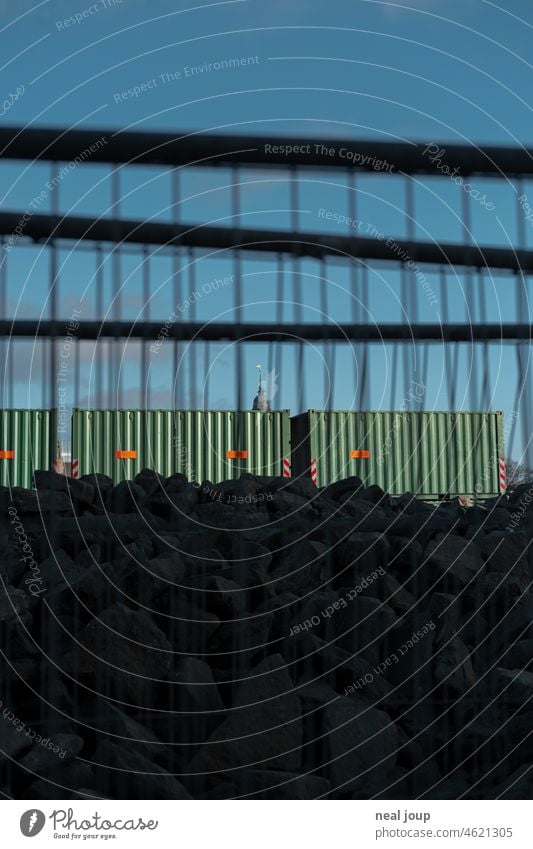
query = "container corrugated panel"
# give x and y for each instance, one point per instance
(210, 445)
(120, 443)
(28, 440)
(219, 445)
(428, 453)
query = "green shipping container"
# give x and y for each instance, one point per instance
(210, 445)
(431, 454)
(28, 441)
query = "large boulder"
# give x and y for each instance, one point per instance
(124, 648)
(360, 743)
(264, 721)
(456, 560)
(81, 491)
(132, 776)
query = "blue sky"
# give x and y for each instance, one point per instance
(425, 70)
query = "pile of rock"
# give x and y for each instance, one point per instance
(262, 638)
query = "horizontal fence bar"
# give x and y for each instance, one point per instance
(200, 148)
(316, 245)
(263, 331)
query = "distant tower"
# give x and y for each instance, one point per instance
(261, 401)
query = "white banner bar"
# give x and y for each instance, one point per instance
(268, 824)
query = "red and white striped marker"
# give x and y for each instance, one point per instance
(75, 472)
(286, 467)
(503, 476)
(314, 473)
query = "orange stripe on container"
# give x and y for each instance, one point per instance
(7, 455)
(359, 455)
(126, 455)
(237, 455)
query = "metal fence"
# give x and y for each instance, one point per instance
(144, 270)
(151, 270)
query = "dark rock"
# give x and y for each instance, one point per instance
(123, 730)
(244, 491)
(81, 491)
(357, 557)
(225, 597)
(349, 674)
(125, 497)
(519, 656)
(150, 481)
(12, 564)
(175, 483)
(174, 503)
(41, 501)
(92, 588)
(160, 574)
(13, 604)
(300, 566)
(90, 556)
(51, 752)
(288, 503)
(506, 556)
(300, 487)
(453, 666)
(132, 776)
(12, 740)
(189, 628)
(197, 693)
(359, 623)
(58, 569)
(344, 490)
(66, 782)
(124, 646)
(515, 686)
(454, 787)
(99, 481)
(409, 646)
(375, 495)
(407, 503)
(513, 624)
(367, 518)
(518, 785)
(403, 632)
(238, 643)
(501, 590)
(358, 739)
(497, 519)
(405, 554)
(444, 609)
(444, 518)
(456, 560)
(5, 500)
(396, 596)
(245, 555)
(265, 718)
(273, 784)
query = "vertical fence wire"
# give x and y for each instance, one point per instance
(358, 272)
(99, 346)
(115, 366)
(410, 353)
(192, 349)
(176, 291)
(238, 292)
(296, 288)
(6, 344)
(144, 388)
